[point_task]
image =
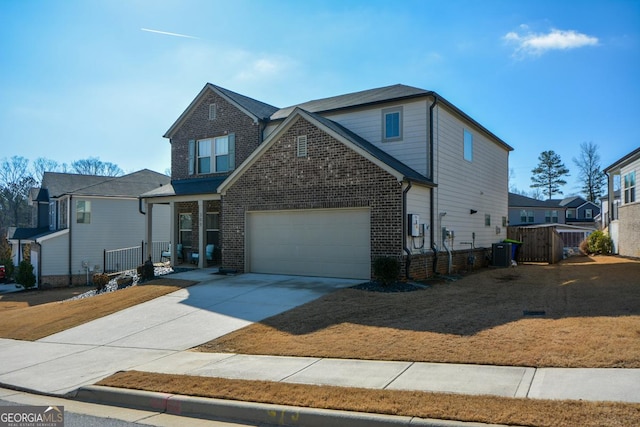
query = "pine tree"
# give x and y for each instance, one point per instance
(548, 174)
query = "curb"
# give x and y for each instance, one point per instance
(281, 415)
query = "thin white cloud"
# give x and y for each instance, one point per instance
(166, 33)
(535, 44)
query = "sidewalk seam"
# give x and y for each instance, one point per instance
(398, 376)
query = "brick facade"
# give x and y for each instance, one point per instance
(330, 176)
(197, 125)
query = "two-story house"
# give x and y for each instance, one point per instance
(77, 217)
(624, 213)
(574, 210)
(325, 187)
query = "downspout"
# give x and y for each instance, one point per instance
(140, 206)
(70, 240)
(404, 230)
(432, 227)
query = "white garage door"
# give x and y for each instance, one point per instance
(310, 242)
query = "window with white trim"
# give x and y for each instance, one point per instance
(630, 187)
(526, 216)
(571, 213)
(392, 124)
(83, 212)
(184, 227)
(212, 155)
(212, 111)
(588, 213)
(551, 217)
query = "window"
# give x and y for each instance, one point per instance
(487, 220)
(213, 228)
(83, 212)
(630, 187)
(571, 214)
(185, 229)
(221, 154)
(526, 216)
(204, 156)
(301, 146)
(62, 216)
(52, 216)
(588, 213)
(212, 111)
(551, 216)
(392, 124)
(212, 155)
(468, 146)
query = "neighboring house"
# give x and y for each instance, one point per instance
(624, 218)
(574, 210)
(77, 217)
(325, 187)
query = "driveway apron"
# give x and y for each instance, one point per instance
(156, 329)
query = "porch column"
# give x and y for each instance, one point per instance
(149, 229)
(173, 234)
(611, 196)
(202, 258)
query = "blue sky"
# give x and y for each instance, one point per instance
(107, 78)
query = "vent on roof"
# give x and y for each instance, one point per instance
(212, 111)
(302, 146)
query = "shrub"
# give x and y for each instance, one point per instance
(100, 280)
(599, 243)
(25, 276)
(146, 271)
(386, 270)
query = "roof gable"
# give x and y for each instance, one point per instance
(257, 110)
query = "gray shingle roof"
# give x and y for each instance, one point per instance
(190, 186)
(259, 109)
(517, 200)
(365, 97)
(131, 185)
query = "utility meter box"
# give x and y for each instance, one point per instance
(414, 225)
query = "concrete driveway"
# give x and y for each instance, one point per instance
(155, 329)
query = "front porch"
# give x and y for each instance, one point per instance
(194, 221)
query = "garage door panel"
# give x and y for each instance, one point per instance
(320, 242)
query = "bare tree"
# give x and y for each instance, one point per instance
(592, 177)
(15, 184)
(94, 166)
(42, 165)
(548, 174)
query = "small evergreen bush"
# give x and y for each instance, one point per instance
(599, 243)
(25, 276)
(386, 270)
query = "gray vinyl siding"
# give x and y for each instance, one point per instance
(115, 224)
(481, 185)
(54, 255)
(411, 149)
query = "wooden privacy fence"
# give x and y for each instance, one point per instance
(542, 244)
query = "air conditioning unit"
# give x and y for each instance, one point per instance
(501, 254)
